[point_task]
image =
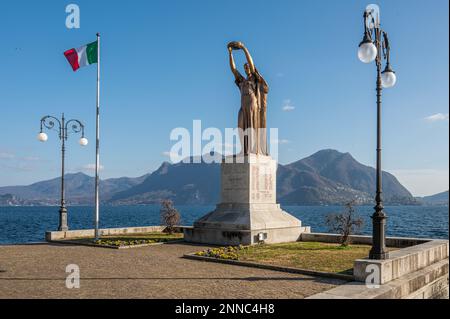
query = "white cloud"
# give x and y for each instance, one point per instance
(91, 167)
(287, 106)
(30, 158)
(18, 163)
(5, 155)
(437, 117)
(280, 141)
(423, 182)
(19, 167)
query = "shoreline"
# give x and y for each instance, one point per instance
(23, 225)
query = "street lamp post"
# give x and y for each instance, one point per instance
(63, 132)
(375, 46)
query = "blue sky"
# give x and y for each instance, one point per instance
(164, 64)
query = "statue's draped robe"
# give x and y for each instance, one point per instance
(252, 114)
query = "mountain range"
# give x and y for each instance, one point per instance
(78, 188)
(437, 199)
(324, 178)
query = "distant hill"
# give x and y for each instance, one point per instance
(329, 176)
(324, 178)
(183, 183)
(437, 199)
(79, 189)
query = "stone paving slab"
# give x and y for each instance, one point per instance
(294, 270)
(38, 271)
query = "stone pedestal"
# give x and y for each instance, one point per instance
(248, 212)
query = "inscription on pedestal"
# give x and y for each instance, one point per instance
(263, 187)
(250, 182)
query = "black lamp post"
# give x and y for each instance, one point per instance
(375, 47)
(49, 122)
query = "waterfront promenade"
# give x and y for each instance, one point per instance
(38, 271)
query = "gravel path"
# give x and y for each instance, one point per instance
(38, 271)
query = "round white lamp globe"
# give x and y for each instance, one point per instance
(367, 52)
(42, 137)
(83, 141)
(388, 79)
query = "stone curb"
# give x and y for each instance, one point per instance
(72, 242)
(271, 267)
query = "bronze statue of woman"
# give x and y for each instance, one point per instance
(252, 114)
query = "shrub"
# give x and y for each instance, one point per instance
(170, 217)
(345, 223)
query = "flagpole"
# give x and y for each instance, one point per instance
(97, 142)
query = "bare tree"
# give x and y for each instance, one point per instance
(170, 217)
(345, 223)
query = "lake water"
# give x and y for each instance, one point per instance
(28, 224)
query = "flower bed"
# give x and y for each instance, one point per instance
(120, 243)
(230, 252)
(127, 240)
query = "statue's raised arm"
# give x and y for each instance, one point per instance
(237, 45)
(249, 60)
(234, 70)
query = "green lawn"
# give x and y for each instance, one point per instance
(305, 255)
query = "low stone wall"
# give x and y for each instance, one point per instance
(419, 269)
(86, 233)
(403, 261)
(398, 242)
(428, 283)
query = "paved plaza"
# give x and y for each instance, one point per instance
(39, 271)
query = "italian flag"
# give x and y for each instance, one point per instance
(82, 56)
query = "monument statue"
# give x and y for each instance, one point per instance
(252, 114)
(248, 212)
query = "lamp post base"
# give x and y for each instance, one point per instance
(379, 256)
(63, 219)
(378, 250)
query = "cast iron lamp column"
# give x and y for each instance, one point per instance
(369, 50)
(49, 122)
